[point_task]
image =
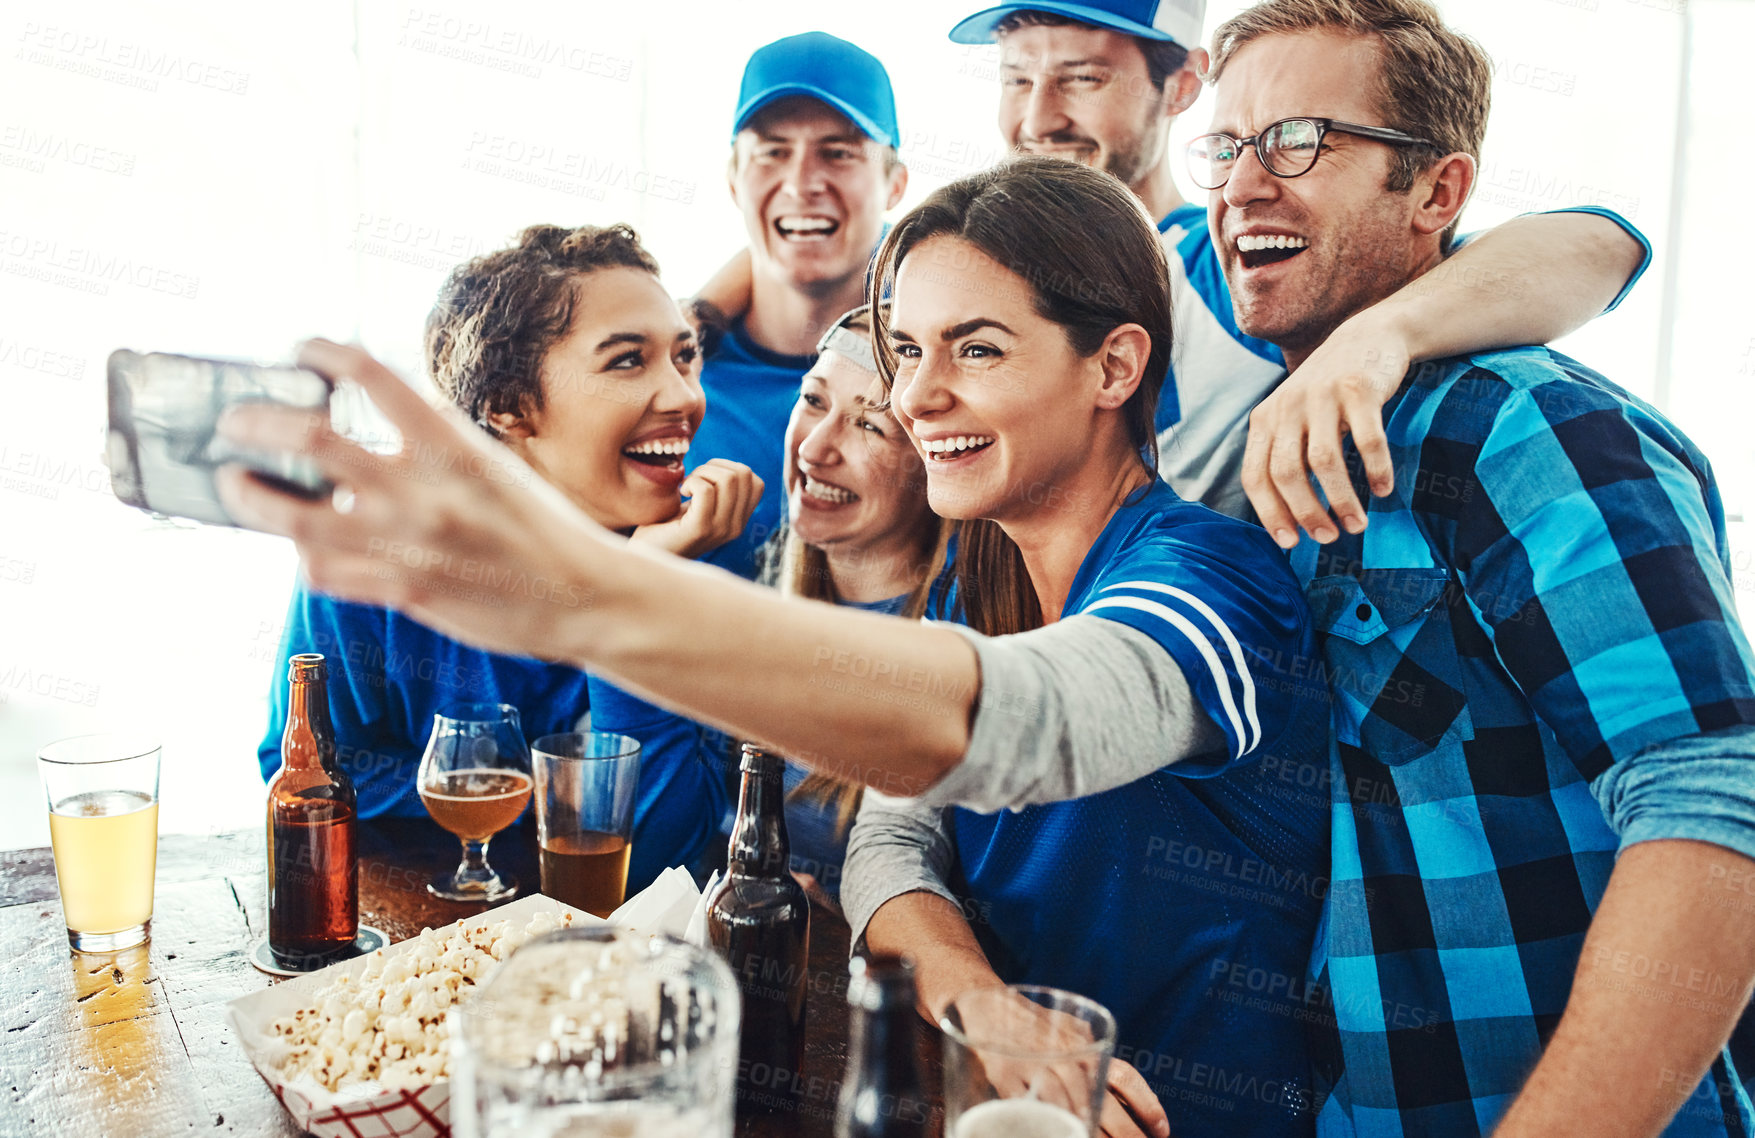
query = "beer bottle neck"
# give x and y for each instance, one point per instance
(883, 1093)
(759, 843)
(882, 1048)
(309, 740)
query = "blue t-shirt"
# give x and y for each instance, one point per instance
(750, 392)
(1185, 902)
(389, 674)
(1218, 374)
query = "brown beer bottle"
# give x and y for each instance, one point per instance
(313, 864)
(759, 919)
(882, 1095)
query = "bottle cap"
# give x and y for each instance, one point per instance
(879, 980)
(756, 760)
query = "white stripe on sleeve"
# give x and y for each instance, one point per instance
(1225, 634)
(1185, 626)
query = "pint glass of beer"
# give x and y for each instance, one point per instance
(585, 784)
(103, 822)
(1025, 1061)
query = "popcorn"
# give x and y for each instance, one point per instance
(389, 1024)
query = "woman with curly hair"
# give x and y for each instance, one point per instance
(567, 349)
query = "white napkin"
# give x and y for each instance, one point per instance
(665, 906)
(696, 933)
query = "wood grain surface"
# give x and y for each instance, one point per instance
(135, 1044)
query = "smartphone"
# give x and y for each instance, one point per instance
(163, 449)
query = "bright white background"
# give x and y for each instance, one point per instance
(210, 178)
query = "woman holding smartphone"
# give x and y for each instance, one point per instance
(568, 350)
(1115, 630)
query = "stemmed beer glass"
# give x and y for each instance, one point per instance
(475, 781)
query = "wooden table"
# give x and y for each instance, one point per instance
(135, 1043)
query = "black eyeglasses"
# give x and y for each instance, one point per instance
(1287, 148)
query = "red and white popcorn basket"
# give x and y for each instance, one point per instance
(368, 1110)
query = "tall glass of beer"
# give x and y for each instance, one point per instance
(1025, 1060)
(103, 822)
(585, 784)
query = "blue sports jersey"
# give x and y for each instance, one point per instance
(1218, 374)
(1187, 901)
(389, 674)
(750, 392)
(1536, 618)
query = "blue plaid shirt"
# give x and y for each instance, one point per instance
(1541, 606)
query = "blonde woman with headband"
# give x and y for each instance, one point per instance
(858, 533)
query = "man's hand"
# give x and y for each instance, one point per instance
(1298, 431)
(721, 497)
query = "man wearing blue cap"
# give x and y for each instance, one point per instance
(813, 168)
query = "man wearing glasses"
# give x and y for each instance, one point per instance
(1101, 82)
(1543, 772)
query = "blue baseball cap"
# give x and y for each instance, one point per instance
(1178, 21)
(827, 68)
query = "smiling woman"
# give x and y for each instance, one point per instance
(568, 349)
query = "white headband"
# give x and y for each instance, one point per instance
(845, 342)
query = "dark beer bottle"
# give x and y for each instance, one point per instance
(883, 1095)
(313, 864)
(759, 919)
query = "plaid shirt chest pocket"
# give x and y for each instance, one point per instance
(1390, 661)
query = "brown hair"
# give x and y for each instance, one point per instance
(1164, 58)
(1432, 81)
(498, 314)
(1035, 215)
(799, 569)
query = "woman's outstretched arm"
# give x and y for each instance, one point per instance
(458, 533)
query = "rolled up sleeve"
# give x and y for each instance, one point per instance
(1697, 788)
(898, 845)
